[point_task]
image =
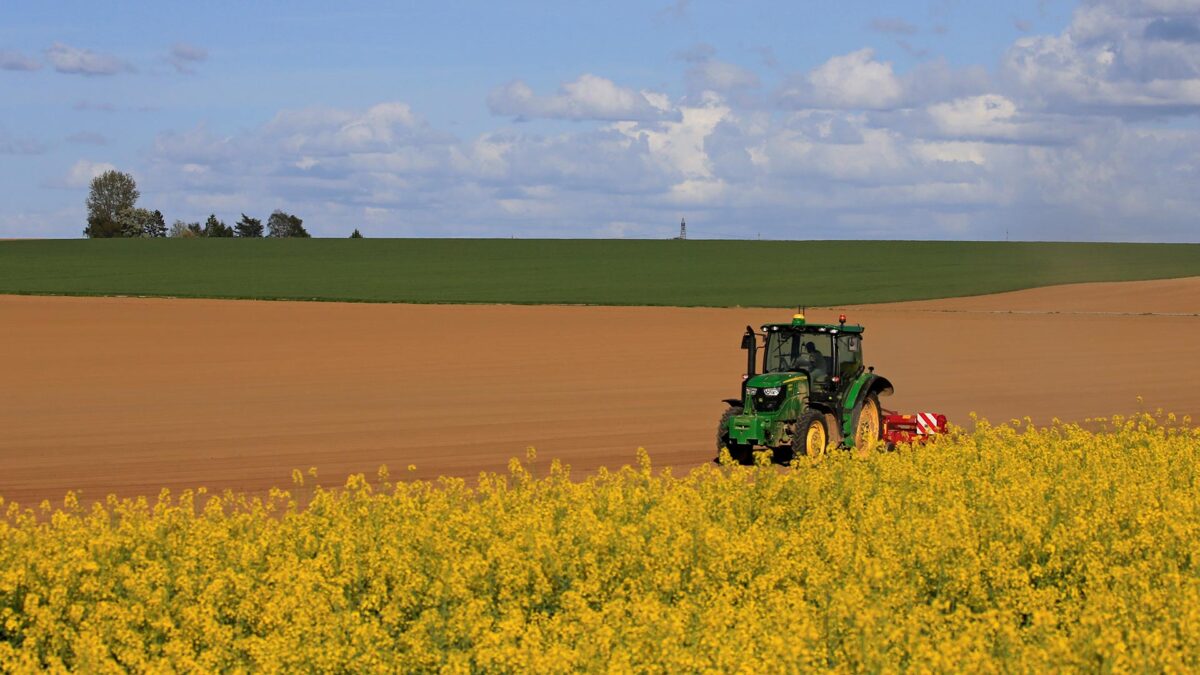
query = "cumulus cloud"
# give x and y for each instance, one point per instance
(854, 80)
(183, 57)
(10, 60)
(1129, 58)
(857, 149)
(587, 98)
(321, 130)
(937, 80)
(83, 171)
(707, 73)
(990, 115)
(388, 160)
(77, 61)
(712, 75)
(967, 166)
(383, 156)
(679, 147)
(1173, 29)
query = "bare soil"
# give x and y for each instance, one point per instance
(129, 395)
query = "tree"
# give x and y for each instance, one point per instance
(215, 228)
(156, 227)
(135, 222)
(282, 224)
(356, 234)
(112, 193)
(194, 229)
(183, 230)
(248, 227)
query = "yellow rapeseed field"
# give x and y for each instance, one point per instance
(1009, 548)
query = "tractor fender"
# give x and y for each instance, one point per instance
(823, 408)
(880, 386)
(732, 401)
(866, 384)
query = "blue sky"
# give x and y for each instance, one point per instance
(782, 120)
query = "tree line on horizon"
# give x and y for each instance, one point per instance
(113, 212)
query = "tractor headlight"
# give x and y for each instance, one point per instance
(772, 391)
(751, 390)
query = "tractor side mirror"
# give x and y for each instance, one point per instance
(750, 344)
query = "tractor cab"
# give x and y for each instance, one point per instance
(828, 355)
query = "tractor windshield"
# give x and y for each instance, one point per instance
(793, 350)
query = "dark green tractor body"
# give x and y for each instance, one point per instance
(808, 391)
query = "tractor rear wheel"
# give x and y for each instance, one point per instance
(868, 423)
(740, 453)
(811, 437)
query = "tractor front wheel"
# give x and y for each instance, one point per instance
(812, 436)
(742, 454)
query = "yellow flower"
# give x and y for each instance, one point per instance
(1005, 548)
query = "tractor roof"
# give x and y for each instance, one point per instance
(813, 328)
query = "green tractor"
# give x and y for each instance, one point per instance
(813, 392)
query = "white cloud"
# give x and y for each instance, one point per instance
(679, 146)
(711, 75)
(325, 130)
(587, 98)
(952, 151)
(83, 171)
(1126, 58)
(198, 146)
(77, 61)
(36, 225)
(10, 60)
(989, 115)
(183, 57)
(861, 150)
(968, 168)
(854, 80)
(936, 80)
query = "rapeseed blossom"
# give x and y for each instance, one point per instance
(1007, 548)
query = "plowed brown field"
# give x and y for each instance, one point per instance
(129, 395)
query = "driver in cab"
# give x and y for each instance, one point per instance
(812, 361)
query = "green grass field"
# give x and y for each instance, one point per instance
(617, 272)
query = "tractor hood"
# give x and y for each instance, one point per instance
(774, 379)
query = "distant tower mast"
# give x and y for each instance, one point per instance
(682, 228)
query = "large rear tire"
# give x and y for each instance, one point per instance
(812, 436)
(868, 423)
(742, 454)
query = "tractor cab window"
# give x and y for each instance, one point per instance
(849, 355)
(789, 350)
